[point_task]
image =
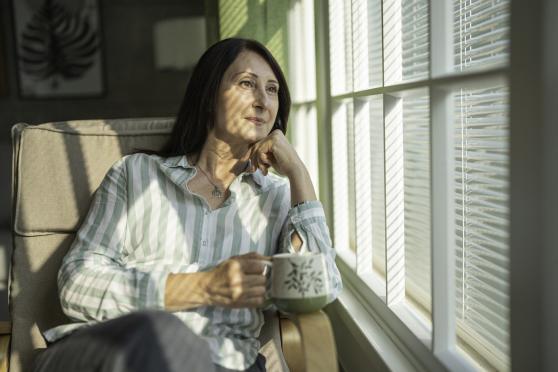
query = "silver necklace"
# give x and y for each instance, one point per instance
(216, 193)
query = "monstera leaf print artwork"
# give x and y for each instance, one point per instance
(57, 48)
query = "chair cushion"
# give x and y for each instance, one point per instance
(34, 303)
(63, 163)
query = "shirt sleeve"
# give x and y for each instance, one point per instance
(93, 282)
(308, 220)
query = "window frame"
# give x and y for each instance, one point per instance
(426, 350)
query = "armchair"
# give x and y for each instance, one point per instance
(56, 169)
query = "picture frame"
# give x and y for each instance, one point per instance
(58, 48)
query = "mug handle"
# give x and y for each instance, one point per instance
(267, 268)
(267, 273)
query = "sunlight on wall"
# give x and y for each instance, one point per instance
(233, 17)
(276, 31)
(262, 20)
(276, 45)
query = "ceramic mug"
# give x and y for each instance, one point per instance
(298, 282)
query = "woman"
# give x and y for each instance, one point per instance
(185, 231)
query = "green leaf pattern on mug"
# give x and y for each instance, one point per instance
(304, 279)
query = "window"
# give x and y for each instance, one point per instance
(419, 142)
(414, 101)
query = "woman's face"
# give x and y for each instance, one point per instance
(247, 100)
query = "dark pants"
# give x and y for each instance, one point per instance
(142, 341)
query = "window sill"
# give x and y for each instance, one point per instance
(362, 345)
(370, 335)
(372, 289)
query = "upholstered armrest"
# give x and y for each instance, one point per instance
(5, 335)
(308, 342)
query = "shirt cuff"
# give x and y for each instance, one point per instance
(301, 218)
(307, 212)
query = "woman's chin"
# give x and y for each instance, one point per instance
(245, 135)
(253, 135)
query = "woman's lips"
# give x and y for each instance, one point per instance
(255, 120)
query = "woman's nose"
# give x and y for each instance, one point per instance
(260, 98)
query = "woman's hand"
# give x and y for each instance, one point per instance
(238, 282)
(275, 151)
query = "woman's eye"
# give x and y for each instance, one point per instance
(246, 84)
(273, 89)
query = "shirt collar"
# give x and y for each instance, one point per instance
(182, 162)
(178, 161)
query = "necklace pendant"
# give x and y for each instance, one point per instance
(216, 193)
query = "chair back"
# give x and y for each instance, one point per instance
(56, 169)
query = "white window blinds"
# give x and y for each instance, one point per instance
(481, 41)
(482, 213)
(481, 30)
(303, 122)
(341, 71)
(415, 46)
(377, 174)
(416, 144)
(392, 124)
(343, 178)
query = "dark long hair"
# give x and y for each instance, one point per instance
(196, 116)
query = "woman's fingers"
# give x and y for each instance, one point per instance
(258, 291)
(248, 281)
(242, 282)
(239, 281)
(263, 162)
(274, 151)
(261, 157)
(264, 158)
(252, 264)
(241, 296)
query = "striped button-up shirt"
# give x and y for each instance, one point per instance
(144, 224)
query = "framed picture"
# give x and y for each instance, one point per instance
(58, 44)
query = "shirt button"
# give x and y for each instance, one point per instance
(204, 242)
